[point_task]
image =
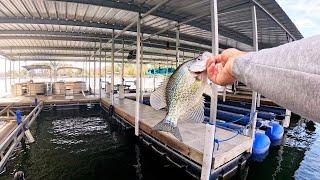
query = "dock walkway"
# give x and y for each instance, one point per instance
(55, 99)
(192, 134)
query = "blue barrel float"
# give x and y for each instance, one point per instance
(274, 131)
(261, 145)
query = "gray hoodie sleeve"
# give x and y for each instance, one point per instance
(289, 75)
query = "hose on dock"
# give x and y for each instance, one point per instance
(237, 132)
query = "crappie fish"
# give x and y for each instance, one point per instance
(181, 94)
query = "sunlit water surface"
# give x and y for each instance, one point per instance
(83, 143)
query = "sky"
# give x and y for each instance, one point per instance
(305, 14)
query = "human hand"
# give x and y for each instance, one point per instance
(219, 68)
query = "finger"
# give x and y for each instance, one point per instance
(223, 78)
(210, 61)
(211, 69)
(212, 72)
(223, 59)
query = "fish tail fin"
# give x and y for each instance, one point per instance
(167, 127)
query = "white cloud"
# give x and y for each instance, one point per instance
(305, 23)
(304, 13)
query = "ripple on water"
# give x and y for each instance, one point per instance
(68, 132)
(309, 167)
(299, 137)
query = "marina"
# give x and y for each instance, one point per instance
(107, 59)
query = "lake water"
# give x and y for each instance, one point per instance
(83, 143)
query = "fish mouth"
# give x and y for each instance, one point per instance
(197, 69)
(197, 72)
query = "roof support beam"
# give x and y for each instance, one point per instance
(75, 50)
(117, 60)
(273, 18)
(153, 43)
(22, 55)
(197, 43)
(167, 15)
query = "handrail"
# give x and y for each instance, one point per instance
(16, 135)
(6, 109)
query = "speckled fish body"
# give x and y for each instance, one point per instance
(182, 95)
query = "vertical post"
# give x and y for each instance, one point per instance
(258, 99)
(253, 115)
(100, 85)
(112, 69)
(19, 69)
(138, 66)
(224, 93)
(85, 71)
(183, 56)
(122, 63)
(121, 87)
(286, 121)
(10, 73)
(210, 127)
(94, 70)
(154, 75)
(167, 65)
(105, 71)
(89, 76)
(5, 75)
(177, 46)
(13, 75)
(141, 78)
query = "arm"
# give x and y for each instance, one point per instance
(289, 75)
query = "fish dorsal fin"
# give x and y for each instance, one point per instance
(195, 114)
(158, 97)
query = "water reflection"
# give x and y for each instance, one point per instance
(309, 167)
(283, 161)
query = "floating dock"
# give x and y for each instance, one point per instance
(191, 149)
(193, 135)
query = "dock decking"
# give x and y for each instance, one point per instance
(192, 134)
(55, 99)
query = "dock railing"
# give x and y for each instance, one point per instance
(7, 110)
(9, 144)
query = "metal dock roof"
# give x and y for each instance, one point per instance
(63, 30)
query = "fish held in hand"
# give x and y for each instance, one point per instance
(181, 94)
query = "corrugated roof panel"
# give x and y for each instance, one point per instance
(71, 10)
(27, 8)
(61, 9)
(21, 7)
(110, 14)
(5, 9)
(99, 14)
(42, 8)
(51, 7)
(90, 13)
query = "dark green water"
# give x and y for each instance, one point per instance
(82, 143)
